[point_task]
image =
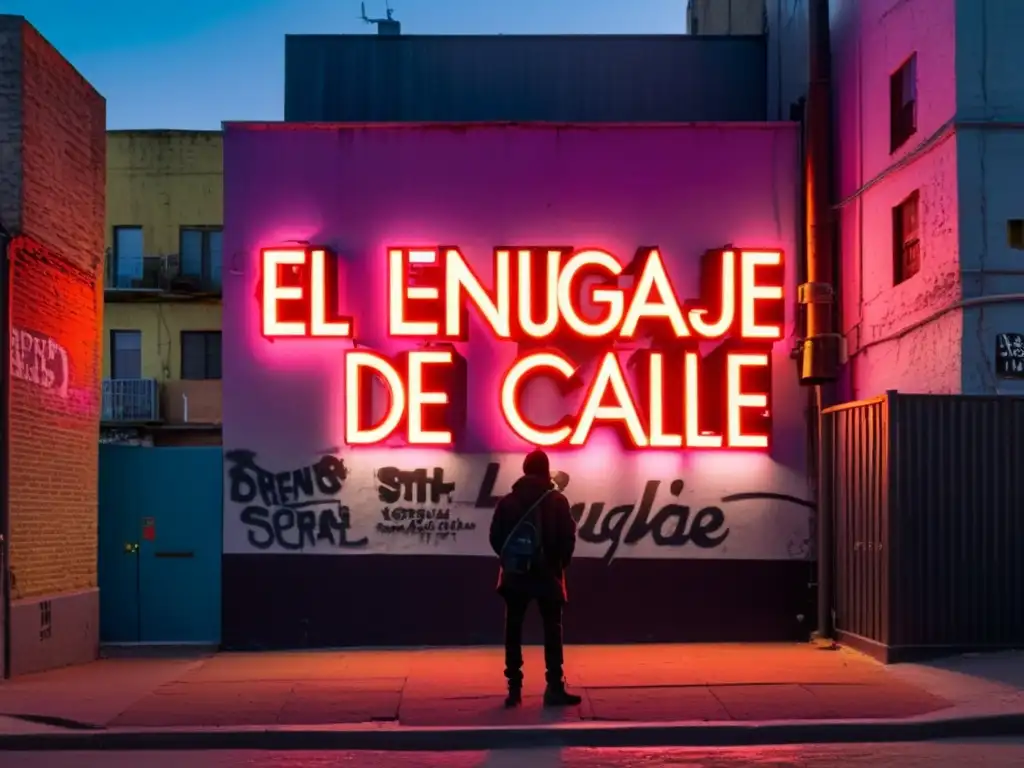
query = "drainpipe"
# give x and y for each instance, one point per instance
(820, 350)
(6, 280)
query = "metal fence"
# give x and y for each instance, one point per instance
(926, 497)
(130, 400)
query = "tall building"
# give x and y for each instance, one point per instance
(161, 355)
(52, 164)
(928, 135)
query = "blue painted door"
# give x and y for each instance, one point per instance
(160, 544)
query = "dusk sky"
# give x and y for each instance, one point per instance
(193, 63)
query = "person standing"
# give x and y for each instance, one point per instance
(534, 536)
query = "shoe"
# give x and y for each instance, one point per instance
(557, 696)
(514, 698)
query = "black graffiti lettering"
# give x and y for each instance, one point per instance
(247, 480)
(330, 475)
(284, 522)
(242, 486)
(268, 488)
(671, 526)
(707, 522)
(485, 498)
(296, 529)
(261, 532)
(428, 524)
(640, 526)
(413, 485)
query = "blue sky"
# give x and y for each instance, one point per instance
(193, 63)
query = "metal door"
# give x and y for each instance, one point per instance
(160, 544)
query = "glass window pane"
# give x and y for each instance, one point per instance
(126, 355)
(193, 355)
(127, 255)
(191, 256)
(216, 240)
(213, 355)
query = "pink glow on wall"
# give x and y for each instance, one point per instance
(685, 190)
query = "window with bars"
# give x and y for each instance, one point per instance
(906, 238)
(903, 103)
(200, 354)
(200, 254)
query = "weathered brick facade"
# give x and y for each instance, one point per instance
(52, 153)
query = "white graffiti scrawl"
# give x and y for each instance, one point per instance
(40, 360)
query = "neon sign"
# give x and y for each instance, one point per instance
(536, 298)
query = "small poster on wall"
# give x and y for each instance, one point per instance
(1010, 355)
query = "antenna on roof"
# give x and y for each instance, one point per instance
(385, 26)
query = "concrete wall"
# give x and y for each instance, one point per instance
(871, 40)
(161, 181)
(360, 190)
(908, 336)
(58, 123)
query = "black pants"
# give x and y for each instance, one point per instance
(551, 615)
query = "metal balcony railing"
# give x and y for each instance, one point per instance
(130, 400)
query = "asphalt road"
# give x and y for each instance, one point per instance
(977, 754)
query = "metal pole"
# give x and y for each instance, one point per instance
(826, 529)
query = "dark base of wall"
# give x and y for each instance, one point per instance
(902, 654)
(71, 636)
(296, 601)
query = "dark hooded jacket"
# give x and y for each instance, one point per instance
(557, 531)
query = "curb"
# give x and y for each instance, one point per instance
(408, 739)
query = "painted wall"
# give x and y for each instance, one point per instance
(52, 126)
(700, 187)
(908, 336)
(161, 324)
(162, 181)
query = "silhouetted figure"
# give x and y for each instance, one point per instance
(534, 536)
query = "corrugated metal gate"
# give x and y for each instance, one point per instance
(927, 500)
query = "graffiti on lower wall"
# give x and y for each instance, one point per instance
(39, 360)
(441, 503)
(296, 509)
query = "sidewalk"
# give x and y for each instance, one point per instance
(672, 693)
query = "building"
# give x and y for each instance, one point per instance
(307, 501)
(398, 528)
(927, 129)
(523, 78)
(725, 17)
(161, 357)
(52, 166)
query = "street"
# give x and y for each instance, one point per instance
(932, 754)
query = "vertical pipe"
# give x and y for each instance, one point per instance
(820, 359)
(6, 281)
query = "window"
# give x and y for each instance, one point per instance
(903, 103)
(906, 240)
(126, 354)
(128, 248)
(200, 250)
(1015, 234)
(200, 354)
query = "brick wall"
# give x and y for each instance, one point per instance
(57, 306)
(64, 156)
(54, 422)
